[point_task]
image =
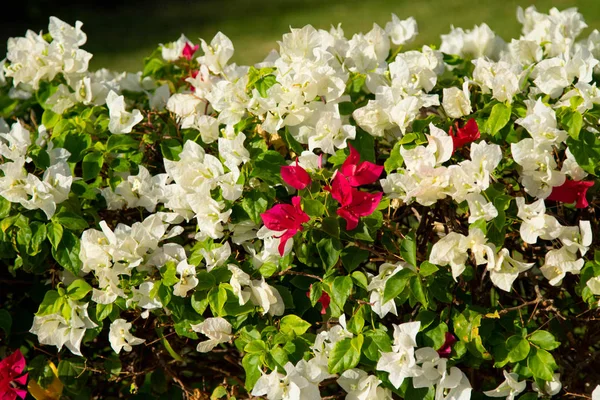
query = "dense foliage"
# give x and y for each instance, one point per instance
(347, 218)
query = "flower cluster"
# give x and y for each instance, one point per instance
(351, 217)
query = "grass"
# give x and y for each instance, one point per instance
(120, 38)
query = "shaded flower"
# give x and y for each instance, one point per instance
(287, 219)
(295, 176)
(354, 203)
(324, 300)
(10, 369)
(446, 348)
(467, 134)
(189, 50)
(359, 173)
(572, 192)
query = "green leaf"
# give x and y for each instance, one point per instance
(50, 118)
(345, 354)
(92, 165)
(529, 396)
(216, 299)
(5, 322)
(586, 151)
(360, 279)
(121, 143)
(267, 167)
(541, 363)
(544, 339)
(256, 347)
(72, 372)
(315, 292)
(199, 301)
(205, 281)
(40, 157)
(54, 232)
(498, 118)
(293, 323)
(78, 289)
(76, 143)
(170, 149)
(376, 341)
(331, 226)
(329, 251)
(169, 274)
(573, 121)
(518, 348)
(408, 249)
(38, 230)
(365, 145)
(67, 253)
(353, 256)
(218, 393)
(416, 289)
(5, 206)
(395, 159)
(357, 321)
(252, 364)
(152, 66)
(264, 83)
(340, 291)
(51, 304)
(292, 143)
(103, 311)
(314, 208)
(427, 268)
(70, 220)
(396, 284)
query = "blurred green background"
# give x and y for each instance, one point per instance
(121, 33)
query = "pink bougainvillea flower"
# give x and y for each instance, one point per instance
(359, 173)
(324, 300)
(572, 192)
(10, 369)
(286, 218)
(354, 203)
(295, 176)
(467, 134)
(189, 50)
(446, 348)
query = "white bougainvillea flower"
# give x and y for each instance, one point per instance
(401, 31)
(359, 385)
(56, 330)
(121, 121)
(14, 144)
(120, 337)
(457, 102)
(217, 54)
(218, 330)
(270, 385)
(400, 363)
(450, 250)
(479, 208)
(506, 269)
(187, 279)
(509, 389)
(596, 393)
(558, 263)
(550, 388)
(594, 285)
(292, 386)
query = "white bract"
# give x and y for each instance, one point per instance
(218, 330)
(121, 121)
(120, 337)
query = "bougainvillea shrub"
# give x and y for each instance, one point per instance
(350, 218)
